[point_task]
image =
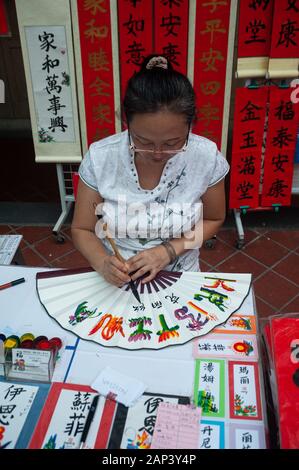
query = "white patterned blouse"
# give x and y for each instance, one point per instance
(141, 218)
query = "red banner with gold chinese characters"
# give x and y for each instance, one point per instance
(280, 149)
(97, 68)
(135, 32)
(171, 31)
(285, 34)
(249, 122)
(255, 25)
(210, 59)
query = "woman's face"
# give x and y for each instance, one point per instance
(157, 137)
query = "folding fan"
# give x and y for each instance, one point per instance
(175, 307)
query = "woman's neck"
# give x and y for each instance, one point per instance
(149, 172)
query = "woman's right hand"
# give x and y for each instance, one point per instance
(114, 271)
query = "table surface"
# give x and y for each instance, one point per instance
(169, 371)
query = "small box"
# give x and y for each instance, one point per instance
(34, 365)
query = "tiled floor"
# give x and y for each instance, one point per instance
(272, 256)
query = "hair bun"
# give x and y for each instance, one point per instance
(157, 61)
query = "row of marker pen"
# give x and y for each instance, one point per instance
(29, 341)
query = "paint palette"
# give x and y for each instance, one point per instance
(175, 307)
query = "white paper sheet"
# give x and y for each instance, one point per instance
(118, 386)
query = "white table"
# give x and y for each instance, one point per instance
(169, 370)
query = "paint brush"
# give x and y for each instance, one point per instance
(90, 416)
(122, 260)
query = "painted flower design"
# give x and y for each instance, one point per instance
(243, 410)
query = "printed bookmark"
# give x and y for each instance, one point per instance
(62, 420)
(21, 405)
(246, 436)
(238, 324)
(226, 346)
(244, 390)
(209, 387)
(212, 434)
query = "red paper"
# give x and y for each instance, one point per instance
(105, 424)
(75, 180)
(285, 33)
(285, 338)
(280, 148)
(4, 29)
(171, 31)
(249, 122)
(255, 25)
(49, 408)
(268, 338)
(210, 60)
(135, 33)
(97, 68)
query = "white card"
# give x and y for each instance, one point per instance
(119, 387)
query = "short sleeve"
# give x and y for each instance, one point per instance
(87, 173)
(221, 169)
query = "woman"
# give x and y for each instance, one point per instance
(149, 181)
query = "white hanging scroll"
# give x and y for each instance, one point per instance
(47, 46)
(51, 83)
(174, 307)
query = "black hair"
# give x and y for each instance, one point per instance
(156, 89)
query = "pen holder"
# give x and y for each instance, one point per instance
(32, 365)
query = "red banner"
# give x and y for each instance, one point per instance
(255, 25)
(97, 68)
(135, 37)
(285, 347)
(285, 34)
(211, 41)
(249, 122)
(4, 29)
(280, 149)
(171, 31)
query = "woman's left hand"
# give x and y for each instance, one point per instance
(148, 261)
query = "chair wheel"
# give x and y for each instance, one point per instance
(210, 244)
(59, 239)
(240, 244)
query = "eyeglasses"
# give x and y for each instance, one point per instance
(133, 148)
